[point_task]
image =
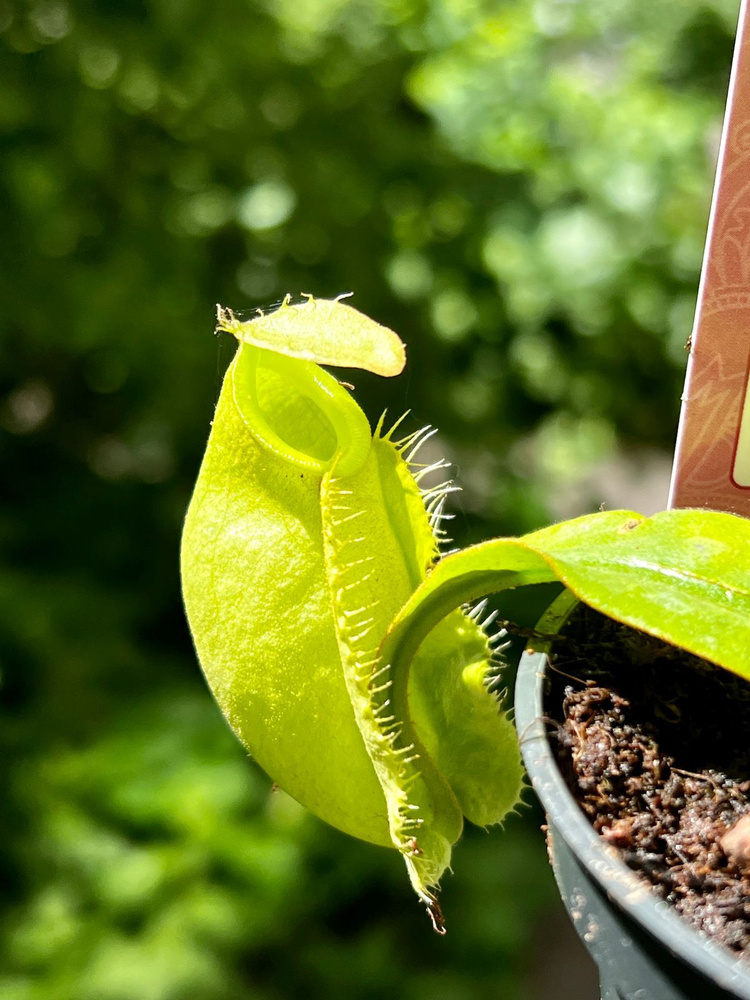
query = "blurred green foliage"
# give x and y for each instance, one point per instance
(521, 190)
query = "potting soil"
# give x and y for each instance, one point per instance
(653, 743)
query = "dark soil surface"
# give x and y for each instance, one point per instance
(654, 744)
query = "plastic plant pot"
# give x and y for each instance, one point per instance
(644, 950)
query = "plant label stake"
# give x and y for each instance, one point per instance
(712, 460)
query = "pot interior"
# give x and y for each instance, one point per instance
(580, 673)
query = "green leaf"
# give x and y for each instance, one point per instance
(681, 575)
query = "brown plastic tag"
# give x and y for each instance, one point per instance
(712, 459)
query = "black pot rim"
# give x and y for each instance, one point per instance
(600, 859)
